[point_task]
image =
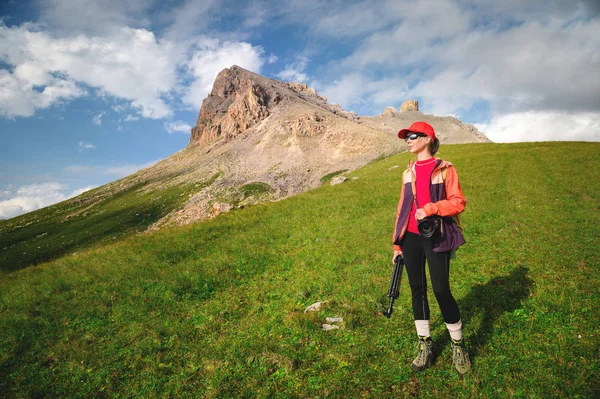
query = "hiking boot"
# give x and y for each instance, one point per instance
(460, 357)
(425, 352)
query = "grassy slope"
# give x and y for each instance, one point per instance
(85, 222)
(216, 309)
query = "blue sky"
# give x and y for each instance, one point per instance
(91, 91)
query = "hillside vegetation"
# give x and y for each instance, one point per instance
(95, 218)
(216, 309)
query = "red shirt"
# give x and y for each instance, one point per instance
(423, 170)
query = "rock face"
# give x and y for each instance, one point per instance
(235, 104)
(389, 111)
(220, 207)
(241, 99)
(303, 89)
(410, 105)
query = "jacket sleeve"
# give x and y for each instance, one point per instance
(455, 200)
(397, 247)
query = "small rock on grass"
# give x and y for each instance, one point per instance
(329, 327)
(338, 180)
(315, 307)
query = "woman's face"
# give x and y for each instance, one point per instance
(418, 145)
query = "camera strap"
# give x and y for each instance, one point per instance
(413, 177)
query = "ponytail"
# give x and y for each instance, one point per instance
(434, 146)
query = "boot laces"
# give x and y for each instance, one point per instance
(423, 351)
(459, 354)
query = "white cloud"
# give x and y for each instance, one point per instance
(348, 90)
(543, 72)
(357, 89)
(120, 108)
(283, 13)
(93, 17)
(19, 97)
(80, 191)
(32, 74)
(255, 15)
(130, 64)
(496, 12)
(294, 72)
(127, 169)
(193, 16)
(539, 60)
(98, 119)
(177, 126)
(31, 197)
(272, 59)
(543, 126)
(210, 58)
(356, 19)
(85, 146)
(131, 118)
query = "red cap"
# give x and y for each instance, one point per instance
(418, 127)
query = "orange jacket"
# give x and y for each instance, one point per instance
(447, 200)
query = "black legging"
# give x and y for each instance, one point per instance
(416, 250)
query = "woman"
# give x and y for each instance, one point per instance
(430, 187)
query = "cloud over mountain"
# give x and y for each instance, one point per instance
(129, 64)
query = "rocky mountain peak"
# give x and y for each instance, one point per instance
(409, 105)
(241, 99)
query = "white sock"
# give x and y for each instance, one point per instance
(455, 330)
(422, 328)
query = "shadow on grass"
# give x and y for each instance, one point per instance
(503, 294)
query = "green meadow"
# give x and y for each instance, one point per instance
(93, 219)
(216, 309)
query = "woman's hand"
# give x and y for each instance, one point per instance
(396, 253)
(420, 214)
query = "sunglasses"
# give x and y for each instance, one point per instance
(413, 136)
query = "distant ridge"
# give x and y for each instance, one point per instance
(447, 128)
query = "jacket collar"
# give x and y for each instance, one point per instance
(439, 165)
